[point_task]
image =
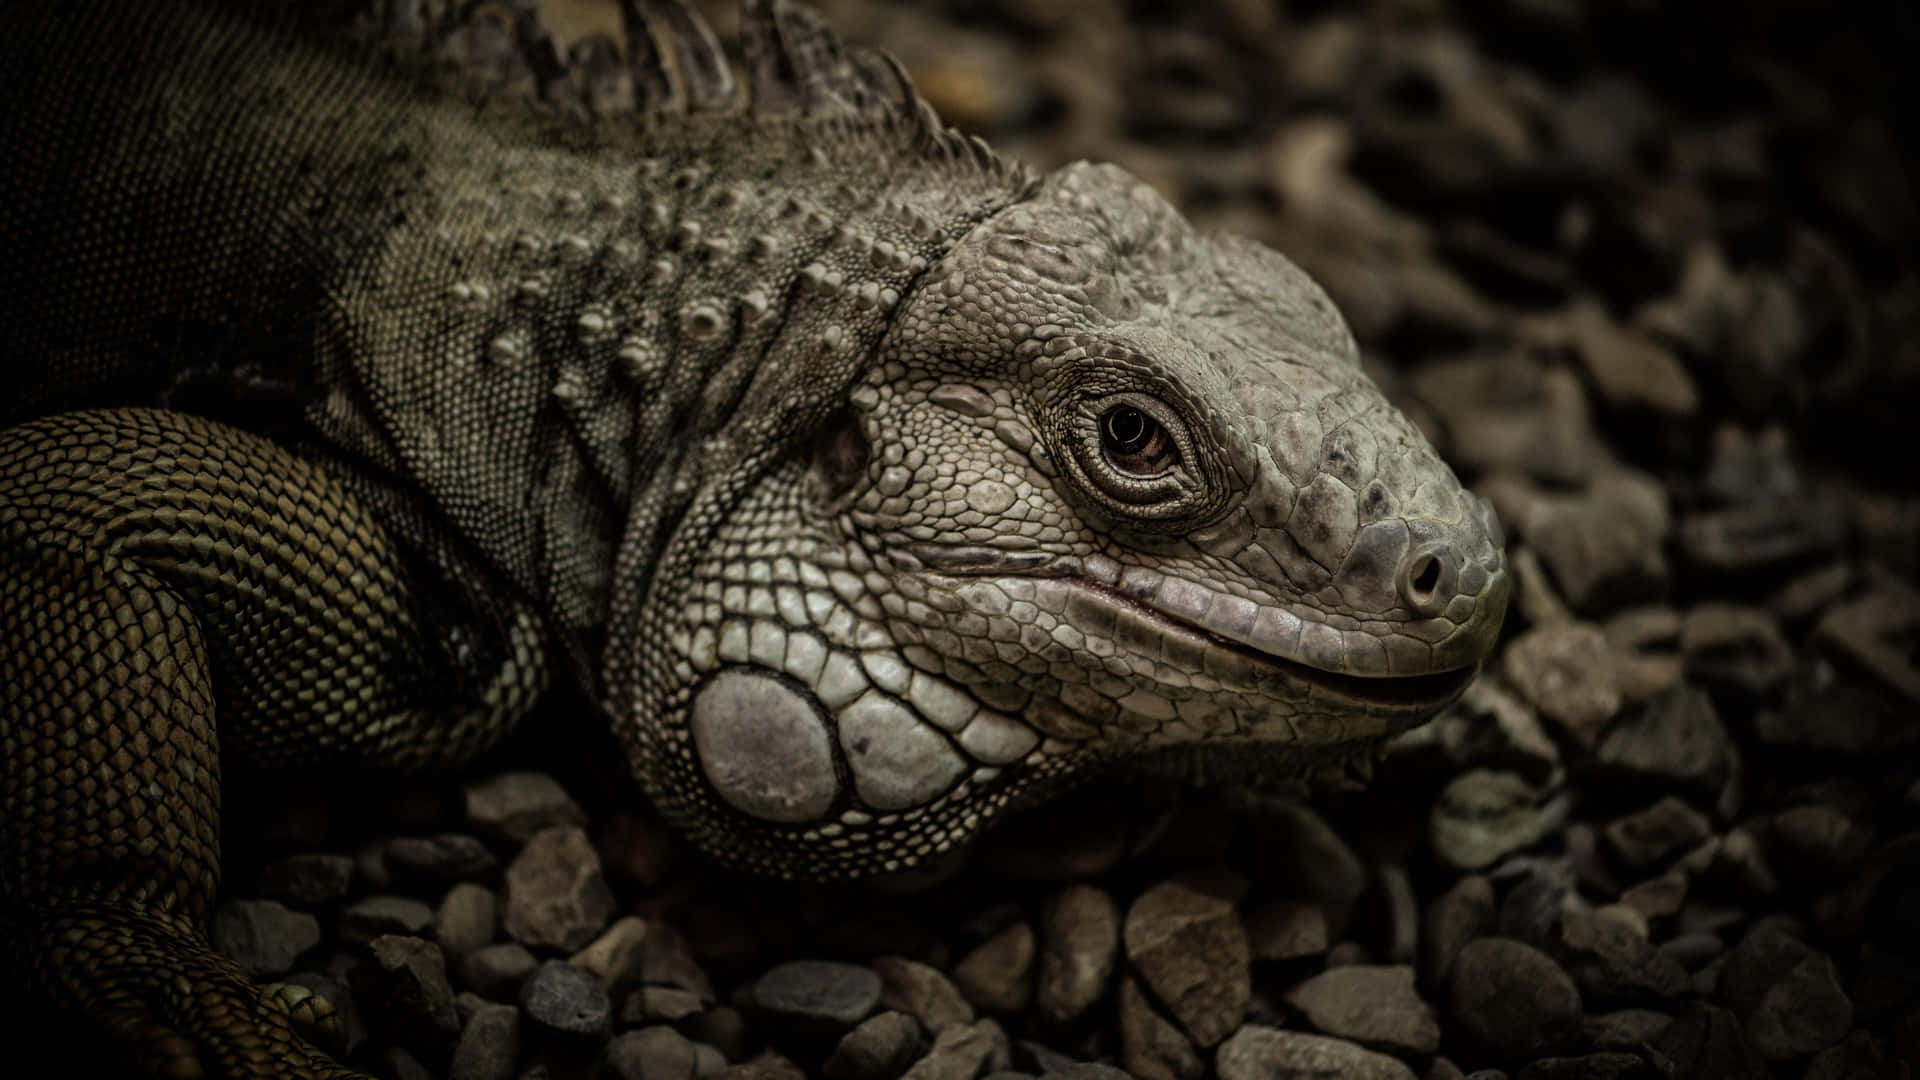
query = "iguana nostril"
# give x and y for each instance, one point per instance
(1424, 582)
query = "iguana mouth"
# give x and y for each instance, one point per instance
(1425, 692)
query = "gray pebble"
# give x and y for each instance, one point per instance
(565, 1000)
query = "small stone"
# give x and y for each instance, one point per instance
(516, 805)
(364, 920)
(961, 1052)
(1607, 1065)
(565, 1000)
(403, 991)
(1151, 1046)
(818, 994)
(880, 1048)
(1757, 537)
(1875, 633)
(556, 896)
(1566, 672)
(1677, 741)
(495, 971)
(1817, 839)
(447, 857)
(1787, 994)
(395, 1063)
(1657, 898)
(1305, 859)
(1646, 651)
(766, 1065)
(1734, 648)
(617, 956)
(307, 881)
(660, 1005)
(1076, 836)
(1185, 939)
(651, 1053)
(465, 919)
(1607, 952)
(1644, 839)
(1631, 371)
(1373, 1006)
(1286, 930)
(1257, 1052)
(1509, 412)
(1857, 1057)
(1626, 1029)
(1512, 999)
(921, 992)
(1604, 546)
(1482, 816)
(262, 936)
(667, 960)
(1706, 1043)
(1080, 946)
(489, 1046)
(1462, 914)
(1487, 728)
(997, 976)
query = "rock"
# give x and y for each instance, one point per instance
(1607, 952)
(1080, 945)
(1482, 816)
(495, 971)
(515, 805)
(1626, 1029)
(818, 994)
(1786, 994)
(660, 1005)
(489, 1046)
(1462, 914)
(307, 881)
(566, 1001)
(618, 956)
(1649, 837)
(1504, 270)
(1607, 1065)
(880, 1048)
(262, 936)
(1828, 712)
(396, 1064)
(1732, 648)
(651, 1053)
(1706, 1043)
(1373, 1006)
(1657, 898)
(1286, 930)
(1489, 728)
(766, 1065)
(1677, 741)
(403, 991)
(1151, 1046)
(1566, 672)
(557, 897)
(1510, 412)
(921, 992)
(369, 918)
(1646, 651)
(1257, 1052)
(448, 857)
(962, 1052)
(1305, 859)
(667, 960)
(997, 976)
(1759, 537)
(1076, 836)
(1857, 1057)
(1185, 939)
(1632, 372)
(1875, 634)
(1817, 840)
(1604, 545)
(465, 919)
(1513, 1000)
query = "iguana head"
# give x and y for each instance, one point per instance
(1097, 487)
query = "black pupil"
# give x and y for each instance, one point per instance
(1128, 428)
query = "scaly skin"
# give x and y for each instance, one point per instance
(869, 483)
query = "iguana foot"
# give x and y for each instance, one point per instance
(172, 1007)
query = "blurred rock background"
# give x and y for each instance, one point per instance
(1646, 273)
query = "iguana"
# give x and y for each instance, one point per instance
(868, 482)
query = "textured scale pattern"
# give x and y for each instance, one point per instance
(375, 376)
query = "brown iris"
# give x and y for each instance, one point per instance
(1134, 442)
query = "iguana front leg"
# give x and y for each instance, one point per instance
(156, 572)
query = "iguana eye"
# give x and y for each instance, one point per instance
(1134, 442)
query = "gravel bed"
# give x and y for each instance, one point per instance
(1646, 277)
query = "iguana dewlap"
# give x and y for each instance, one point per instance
(867, 481)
